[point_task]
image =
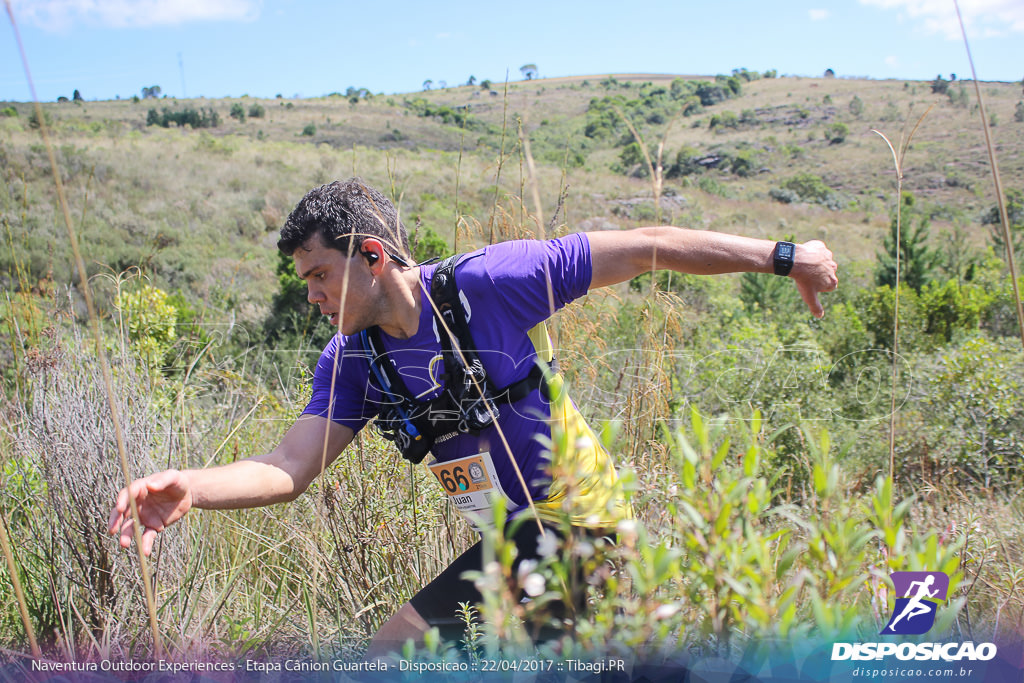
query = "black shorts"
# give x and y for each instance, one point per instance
(438, 602)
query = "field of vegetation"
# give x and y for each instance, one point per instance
(754, 439)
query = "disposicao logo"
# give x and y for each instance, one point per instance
(918, 595)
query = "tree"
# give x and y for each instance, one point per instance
(427, 84)
(631, 161)
(485, 84)
(77, 96)
(237, 112)
(917, 259)
(529, 71)
(1015, 214)
(471, 81)
(152, 92)
(293, 322)
(940, 85)
(829, 73)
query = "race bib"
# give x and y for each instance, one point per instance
(471, 484)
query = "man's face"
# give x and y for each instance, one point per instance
(325, 272)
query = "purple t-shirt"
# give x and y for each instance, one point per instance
(506, 293)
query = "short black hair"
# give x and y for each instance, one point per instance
(344, 213)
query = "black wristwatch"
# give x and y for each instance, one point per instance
(782, 257)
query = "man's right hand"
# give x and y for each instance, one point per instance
(161, 498)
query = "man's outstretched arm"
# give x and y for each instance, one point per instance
(281, 475)
(623, 254)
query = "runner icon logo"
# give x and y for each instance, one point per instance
(918, 595)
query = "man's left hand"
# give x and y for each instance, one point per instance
(814, 271)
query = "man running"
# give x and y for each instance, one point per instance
(352, 251)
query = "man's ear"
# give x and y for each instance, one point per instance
(373, 251)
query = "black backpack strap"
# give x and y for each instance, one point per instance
(398, 420)
(445, 293)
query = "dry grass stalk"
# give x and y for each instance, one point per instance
(996, 179)
(19, 594)
(897, 159)
(497, 173)
(98, 339)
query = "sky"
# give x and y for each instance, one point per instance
(309, 48)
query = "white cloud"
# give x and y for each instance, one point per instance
(65, 14)
(818, 14)
(981, 17)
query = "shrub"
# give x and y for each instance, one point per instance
(458, 116)
(427, 244)
(837, 132)
(687, 163)
(1015, 214)
(973, 413)
(203, 118)
(856, 107)
(808, 187)
(716, 558)
(726, 119)
(309, 130)
(257, 111)
(631, 161)
(958, 97)
(710, 94)
(293, 322)
(149, 321)
(33, 119)
(712, 186)
(877, 308)
(952, 308)
(891, 113)
(784, 196)
(237, 112)
(743, 164)
(71, 562)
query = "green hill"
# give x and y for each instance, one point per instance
(198, 207)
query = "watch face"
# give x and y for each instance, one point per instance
(785, 251)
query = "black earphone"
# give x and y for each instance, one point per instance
(371, 258)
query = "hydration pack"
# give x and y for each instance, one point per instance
(466, 390)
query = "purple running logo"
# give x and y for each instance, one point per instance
(918, 595)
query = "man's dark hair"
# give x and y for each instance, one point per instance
(344, 213)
